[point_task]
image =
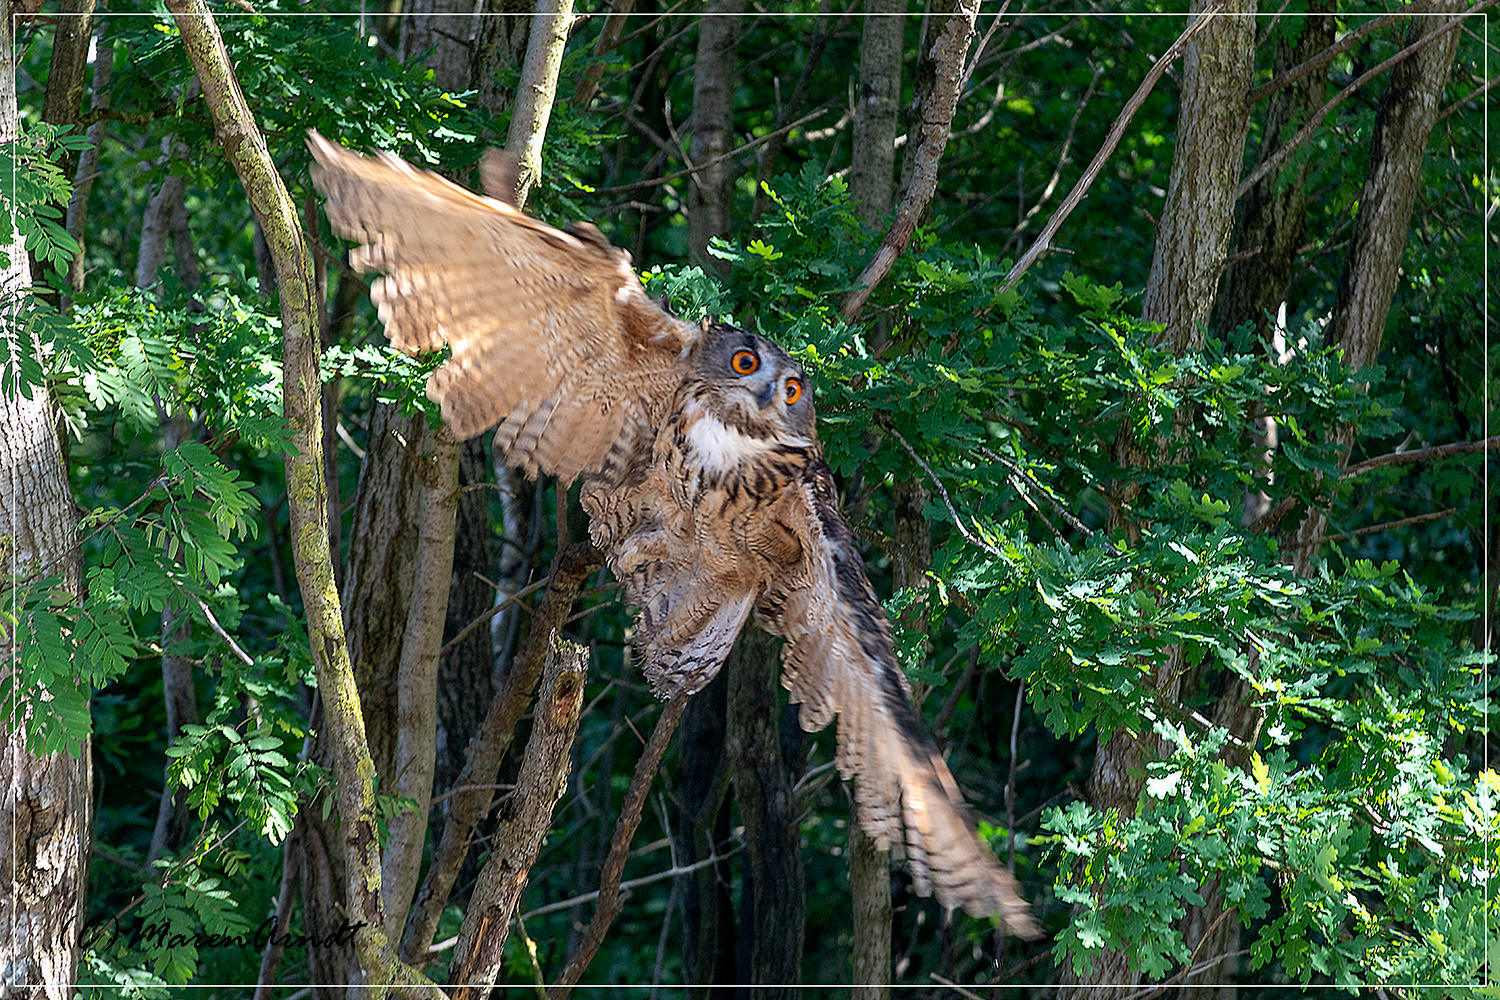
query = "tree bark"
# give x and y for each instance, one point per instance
(702, 785)
(416, 683)
(1403, 126)
(44, 798)
(1192, 241)
(711, 187)
(1192, 244)
(773, 906)
(447, 27)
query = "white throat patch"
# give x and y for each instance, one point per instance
(720, 448)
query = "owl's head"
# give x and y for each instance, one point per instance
(759, 388)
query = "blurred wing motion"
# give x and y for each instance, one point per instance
(839, 658)
(552, 335)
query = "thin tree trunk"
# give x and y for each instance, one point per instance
(44, 799)
(1403, 126)
(245, 148)
(1192, 244)
(416, 681)
(711, 189)
(1192, 241)
(773, 900)
(445, 26)
(872, 185)
(88, 160)
(877, 109)
(536, 91)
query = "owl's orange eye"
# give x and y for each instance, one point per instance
(793, 390)
(744, 362)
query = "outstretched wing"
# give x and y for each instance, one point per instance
(839, 659)
(552, 335)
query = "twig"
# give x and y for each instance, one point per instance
(1044, 240)
(1067, 515)
(1321, 59)
(752, 144)
(635, 883)
(619, 849)
(489, 613)
(947, 501)
(1275, 160)
(213, 623)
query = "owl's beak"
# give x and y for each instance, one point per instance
(766, 396)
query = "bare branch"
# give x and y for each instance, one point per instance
(619, 849)
(1421, 455)
(1043, 242)
(937, 124)
(1276, 159)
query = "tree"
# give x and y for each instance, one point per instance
(44, 792)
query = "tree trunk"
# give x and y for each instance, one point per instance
(877, 110)
(872, 185)
(1273, 214)
(1402, 128)
(307, 493)
(1192, 244)
(88, 160)
(711, 188)
(445, 26)
(1193, 238)
(44, 799)
(773, 907)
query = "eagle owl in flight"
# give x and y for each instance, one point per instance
(703, 478)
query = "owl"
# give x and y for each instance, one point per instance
(701, 473)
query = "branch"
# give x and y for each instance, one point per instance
(752, 144)
(1276, 159)
(535, 91)
(1372, 528)
(937, 125)
(1420, 455)
(673, 872)
(518, 838)
(1043, 242)
(474, 789)
(1323, 58)
(619, 848)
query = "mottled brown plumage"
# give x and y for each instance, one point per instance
(703, 478)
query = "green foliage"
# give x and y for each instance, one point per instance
(1326, 833)
(34, 192)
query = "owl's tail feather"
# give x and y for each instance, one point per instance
(685, 626)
